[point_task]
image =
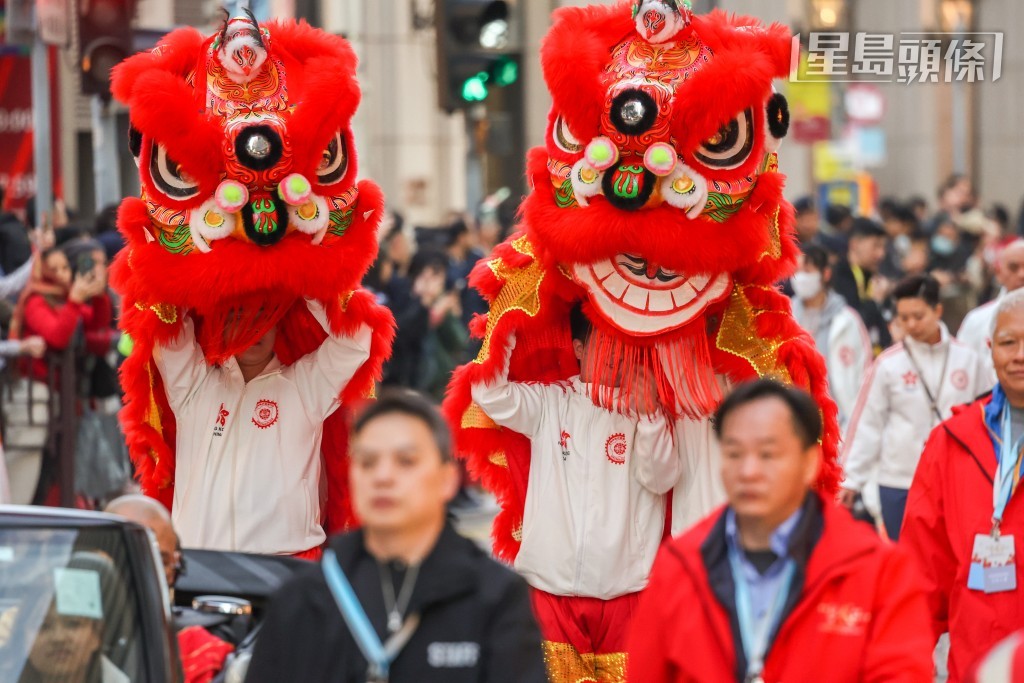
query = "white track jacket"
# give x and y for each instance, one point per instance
(893, 416)
(247, 471)
(595, 503)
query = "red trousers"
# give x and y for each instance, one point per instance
(584, 638)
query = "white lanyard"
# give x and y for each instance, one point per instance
(755, 642)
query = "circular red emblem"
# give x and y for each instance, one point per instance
(615, 448)
(846, 356)
(959, 379)
(265, 413)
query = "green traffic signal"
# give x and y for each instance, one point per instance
(506, 71)
(474, 89)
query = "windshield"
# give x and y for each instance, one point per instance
(68, 609)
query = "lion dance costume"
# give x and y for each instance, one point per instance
(656, 202)
(249, 207)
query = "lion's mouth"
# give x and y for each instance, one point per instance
(641, 298)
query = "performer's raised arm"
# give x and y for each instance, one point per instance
(515, 405)
(181, 364)
(323, 374)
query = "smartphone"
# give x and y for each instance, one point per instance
(85, 264)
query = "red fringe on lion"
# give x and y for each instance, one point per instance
(250, 222)
(657, 204)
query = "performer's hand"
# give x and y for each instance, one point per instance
(80, 289)
(33, 346)
(847, 497)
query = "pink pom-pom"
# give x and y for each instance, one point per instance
(231, 196)
(295, 190)
(601, 153)
(660, 158)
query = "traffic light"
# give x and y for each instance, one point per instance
(104, 39)
(477, 50)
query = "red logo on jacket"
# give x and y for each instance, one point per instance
(222, 416)
(265, 413)
(615, 448)
(959, 379)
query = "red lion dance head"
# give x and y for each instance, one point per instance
(657, 203)
(249, 204)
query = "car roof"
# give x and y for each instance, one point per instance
(42, 516)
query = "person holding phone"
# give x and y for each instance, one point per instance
(71, 289)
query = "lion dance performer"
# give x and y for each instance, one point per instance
(657, 206)
(240, 282)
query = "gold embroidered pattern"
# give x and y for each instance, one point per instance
(520, 291)
(165, 312)
(517, 532)
(566, 665)
(774, 249)
(153, 411)
(737, 335)
(476, 418)
(345, 298)
(498, 458)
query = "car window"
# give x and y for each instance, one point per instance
(68, 607)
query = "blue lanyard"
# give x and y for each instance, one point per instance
(1002, 487)
(355, 617)
(755, 637)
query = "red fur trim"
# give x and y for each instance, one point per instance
(573, 55)
(190, 138)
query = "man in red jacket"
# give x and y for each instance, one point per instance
(780, 585)
(965, 515)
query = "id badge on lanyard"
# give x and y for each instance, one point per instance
(993, 558)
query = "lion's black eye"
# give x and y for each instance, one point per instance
(564, 139)
(334, 162)
(730, 146)
(169, 177)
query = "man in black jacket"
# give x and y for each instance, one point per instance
(15, 247)
(851, 278)
(406, 563)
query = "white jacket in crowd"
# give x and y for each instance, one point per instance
(893, 416)
(595, 504)
(840, 336)
(247, 470)
(975, 330)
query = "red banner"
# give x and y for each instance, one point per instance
(16, 172)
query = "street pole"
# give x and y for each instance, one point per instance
(105, 162)
(959, 113)
(41, 135)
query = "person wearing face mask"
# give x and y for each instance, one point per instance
(838, 331)
(910, 388)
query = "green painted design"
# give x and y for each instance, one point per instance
(264, 216)
(339, 221)
(180, 242)
(627, 181)
(564, 197)
(720, 207)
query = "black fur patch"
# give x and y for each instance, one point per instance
(778, 116)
